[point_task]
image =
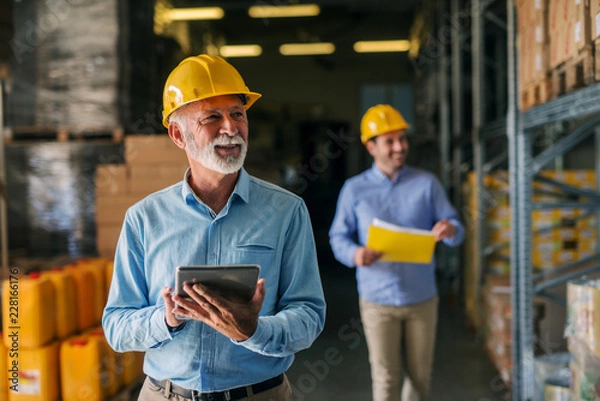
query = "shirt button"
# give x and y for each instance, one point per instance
(212, 255)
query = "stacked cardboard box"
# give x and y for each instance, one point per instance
(495, 203)
(583, 334)
(555, 42)
(498, 322)
(533, 44)
(152, 162)
(566, 234)
(574, 235)
(534, 52)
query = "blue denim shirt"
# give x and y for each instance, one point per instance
(262, 224)
(416, 199)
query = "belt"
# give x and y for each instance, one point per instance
(227, 395)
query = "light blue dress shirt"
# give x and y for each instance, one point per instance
(415, 198)
(262, 224)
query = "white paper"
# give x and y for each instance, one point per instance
(394, 227)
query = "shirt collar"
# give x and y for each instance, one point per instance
(242, 187)
(381, 176)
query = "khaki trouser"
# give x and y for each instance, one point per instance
(151, 392)
(385, 329)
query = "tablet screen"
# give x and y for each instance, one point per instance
(234, 282)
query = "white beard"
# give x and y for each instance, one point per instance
(209, 158)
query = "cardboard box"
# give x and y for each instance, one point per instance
(172, 172)
(110, 210)
(526, 56)
(559, 31)
(144, 187)
(581, 23)
(153, 149)
(590, 221)
(499, 236)
(145, 179)
(594, 19)
(589, 245)
(107, 236)
(583, 314)
(111, 179)
(525, 13)
(498, 321)
(587, 234)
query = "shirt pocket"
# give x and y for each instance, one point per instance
(265, 255)
(255, 252)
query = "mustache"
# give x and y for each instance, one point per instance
(227, 140)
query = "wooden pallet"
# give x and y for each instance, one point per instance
(64, 134)
(575, 73)
(536, 93)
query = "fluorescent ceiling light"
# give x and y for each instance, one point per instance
(379, 46)
(240, 51)
(298, 10)
(303, 49)
(199, 13)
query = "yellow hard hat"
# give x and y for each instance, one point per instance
(379, 120)
(201, 77)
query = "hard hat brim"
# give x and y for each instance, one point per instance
(252, 97)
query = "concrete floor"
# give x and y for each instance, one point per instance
(336, 367)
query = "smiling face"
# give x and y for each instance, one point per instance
(216, 133)
(389, 151)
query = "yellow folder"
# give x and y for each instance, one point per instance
(400, 244)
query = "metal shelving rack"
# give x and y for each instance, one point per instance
(518, 128)
(456, 133)
(483, 130)
(583, 103)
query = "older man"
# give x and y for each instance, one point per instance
(209, 347)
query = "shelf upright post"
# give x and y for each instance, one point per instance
(444, 106)
(478, 98)
(457, 106)
(457, 127)
(519, 146)
(445, 254)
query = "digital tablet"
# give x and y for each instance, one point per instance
(234, 282)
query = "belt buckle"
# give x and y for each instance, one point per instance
(195, 395)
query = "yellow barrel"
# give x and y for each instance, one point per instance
(28, 311)
(66, 301)
(33, 374)
(98, 269)
(4, 368)
(111, 362)
(133, 366)
(85, 283)
(81, 369)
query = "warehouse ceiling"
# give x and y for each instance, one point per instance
(340, 22)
